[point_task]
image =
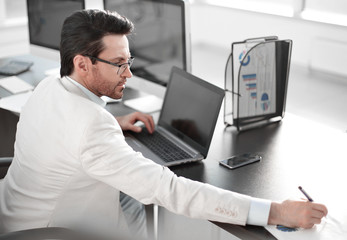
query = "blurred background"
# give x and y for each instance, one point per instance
(318, 29)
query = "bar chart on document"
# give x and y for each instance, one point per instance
(257, 81)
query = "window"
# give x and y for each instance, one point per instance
(327, 11)
(12, 9)
(331, 6)
(276, 7)
(15, 8)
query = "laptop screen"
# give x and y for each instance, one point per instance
(191, 108)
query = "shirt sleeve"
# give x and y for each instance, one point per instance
(259, 212)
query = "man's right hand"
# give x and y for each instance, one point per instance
(292, 213)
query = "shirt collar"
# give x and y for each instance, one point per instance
(89, 94)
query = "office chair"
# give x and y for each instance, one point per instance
(5, 163)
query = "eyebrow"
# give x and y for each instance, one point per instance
(117, 59)
(120, 59)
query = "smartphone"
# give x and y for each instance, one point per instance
(240, 160)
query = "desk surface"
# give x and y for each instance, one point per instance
(295, 152)
(35, 73)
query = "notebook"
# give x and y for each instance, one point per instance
(187, 121)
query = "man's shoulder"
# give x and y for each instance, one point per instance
(51, 91)
(53, 96)
(53, 88)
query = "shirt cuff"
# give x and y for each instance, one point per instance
(259, 212)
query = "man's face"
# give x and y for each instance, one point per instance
(106, 81)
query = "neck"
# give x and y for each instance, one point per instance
(82, 81)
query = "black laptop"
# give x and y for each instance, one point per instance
(186, 123)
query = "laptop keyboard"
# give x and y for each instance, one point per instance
(161, 146)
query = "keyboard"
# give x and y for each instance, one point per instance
(161, 146)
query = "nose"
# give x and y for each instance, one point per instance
(127, 73)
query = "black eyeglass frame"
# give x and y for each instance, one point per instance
(129, 63)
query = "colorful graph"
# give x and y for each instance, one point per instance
(244, 63)
(265, 101)
(251, 86)
(249, 77)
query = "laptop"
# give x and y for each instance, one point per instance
(186, 123)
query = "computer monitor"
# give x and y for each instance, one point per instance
(45, 19)
(161, 40)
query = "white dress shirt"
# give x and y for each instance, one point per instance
(71, 161)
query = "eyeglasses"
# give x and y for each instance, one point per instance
(121, 67)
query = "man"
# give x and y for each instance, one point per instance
(71, 160)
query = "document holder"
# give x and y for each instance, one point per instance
(256, 82)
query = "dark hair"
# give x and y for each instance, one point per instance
(82, 33)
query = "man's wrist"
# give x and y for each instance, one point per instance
(275, 215)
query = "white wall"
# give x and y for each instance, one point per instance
(317, 45)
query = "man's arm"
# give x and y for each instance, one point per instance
(288, 213)
(127, 122)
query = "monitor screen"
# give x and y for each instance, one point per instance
(45, 20)
(159, 41)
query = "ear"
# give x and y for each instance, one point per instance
(81, 65)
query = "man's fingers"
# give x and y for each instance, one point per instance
(314, 215)
(135, 128)
(147, 120)
(318, 214)
(321, 208)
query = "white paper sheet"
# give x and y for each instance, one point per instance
(15, 103)
(334, 226)
(15, 84)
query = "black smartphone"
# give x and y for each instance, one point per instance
(240, 160)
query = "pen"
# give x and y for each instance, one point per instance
(305, 193)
